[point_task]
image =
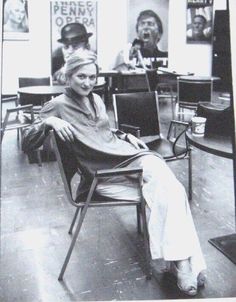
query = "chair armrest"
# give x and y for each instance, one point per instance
(131, 129)
(179, 123)
(9, 98)
(20, 108)
(175, 122)
(118, 172)
(178, 136)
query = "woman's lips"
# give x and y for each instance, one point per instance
(86, 89)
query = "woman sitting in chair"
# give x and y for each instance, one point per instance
(79, 118)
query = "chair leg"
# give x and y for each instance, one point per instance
(77, 230)
(73, 221)
(173, 107)
(138, 209)
(18, 134)
(190, 175)
(2, 133)
(146, 240)
(39, 158)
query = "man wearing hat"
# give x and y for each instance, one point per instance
(73, 37)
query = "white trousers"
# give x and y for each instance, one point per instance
(171, 229)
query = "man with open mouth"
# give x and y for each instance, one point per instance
(149, 30)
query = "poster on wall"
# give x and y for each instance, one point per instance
(73, 23)
(199, 21)
(15, 20)
(148, 23)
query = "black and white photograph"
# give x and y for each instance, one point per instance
(15, 20)
(73, 26)
(118, 150)
(199, 21)
(147, 43)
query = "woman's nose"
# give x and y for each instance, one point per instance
(87, 81)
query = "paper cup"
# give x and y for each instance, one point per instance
(198, 126)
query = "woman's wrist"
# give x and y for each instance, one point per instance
(47, 121)
(126, 137)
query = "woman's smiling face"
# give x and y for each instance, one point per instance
(84, 79)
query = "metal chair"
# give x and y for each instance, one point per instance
(162, 84)
(68, 167)
(138, 113)
(192, 90)
(13, 119)
(16, 118)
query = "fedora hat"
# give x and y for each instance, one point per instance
(73, 32)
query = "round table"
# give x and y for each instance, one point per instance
(43, 91)
(220, 146)
(214, 144)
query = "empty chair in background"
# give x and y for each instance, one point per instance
(157, 82)
(17, 119)
(191, 90)
(14, 119)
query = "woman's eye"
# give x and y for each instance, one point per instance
(92, 78)
(81, 77)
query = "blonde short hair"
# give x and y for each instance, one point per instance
(80, 58)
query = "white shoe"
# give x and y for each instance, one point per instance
(186, 281)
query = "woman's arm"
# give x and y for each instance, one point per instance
(34, 136)
(130, 138)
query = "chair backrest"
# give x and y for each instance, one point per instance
(192, 90)
(67, 163)
(139, 109)
(65, 157)
(152, 79)
(219, 118)
(32, 81)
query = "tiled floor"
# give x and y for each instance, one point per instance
(107, 261)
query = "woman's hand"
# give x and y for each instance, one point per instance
(63, 129)
(137, 143)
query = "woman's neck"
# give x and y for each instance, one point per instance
(86, 101)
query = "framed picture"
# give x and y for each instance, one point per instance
(64, 15)
(15, 20)
(199, 21)
(148, 22)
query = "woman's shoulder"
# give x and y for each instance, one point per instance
(97, 99)
(55, 102)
